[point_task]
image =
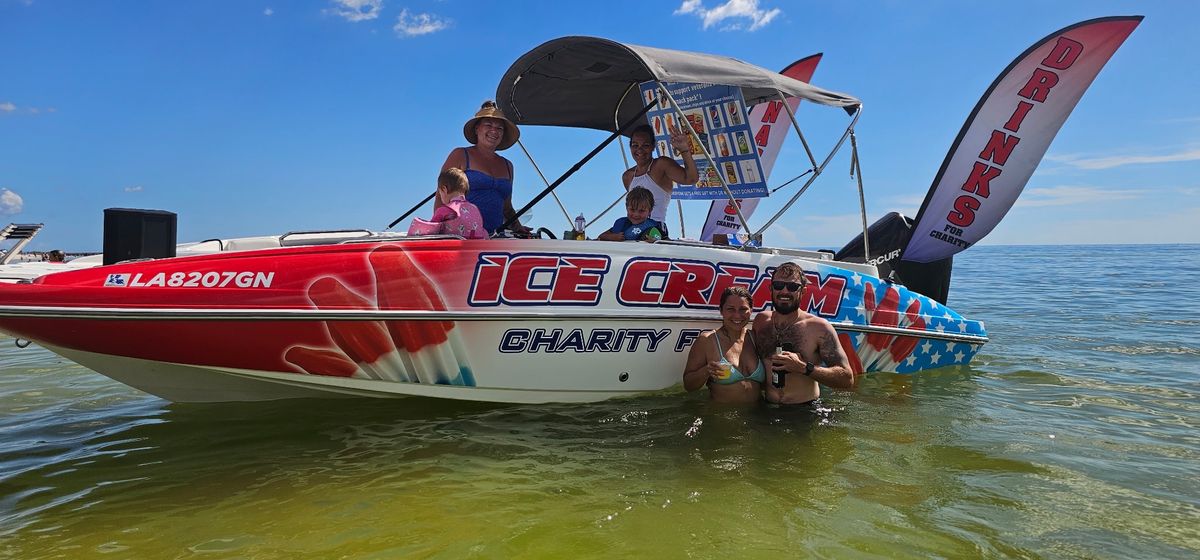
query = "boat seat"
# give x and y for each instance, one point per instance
(251, 243)
(298, 238)
(333, 237)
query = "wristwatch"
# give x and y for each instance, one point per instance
(808, 369)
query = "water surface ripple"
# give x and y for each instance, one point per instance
(1072, 435)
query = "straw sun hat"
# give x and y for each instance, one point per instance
(490, 111)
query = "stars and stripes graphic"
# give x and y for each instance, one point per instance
(876, 303)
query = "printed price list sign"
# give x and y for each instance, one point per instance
(718, 115)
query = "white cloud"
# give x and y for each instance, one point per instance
(739, 9)
(268, 12)
(1177, 226)
(1065, 195)
(906, 204)
(10, 107)
(135, 188)
(412, 25)
(1181, 120)
(357, 10)
(1109, 162)
(10, 202)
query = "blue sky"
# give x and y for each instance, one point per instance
(254, 118)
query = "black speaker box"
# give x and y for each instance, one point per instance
(138, 234)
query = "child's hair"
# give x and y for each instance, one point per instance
(639, 195)
(454, 180)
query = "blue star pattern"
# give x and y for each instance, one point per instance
(869, 302)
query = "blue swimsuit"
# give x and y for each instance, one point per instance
(759, 375)
(634, 232)
(488, 193)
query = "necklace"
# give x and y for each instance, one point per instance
(781, 329)
(732, 341)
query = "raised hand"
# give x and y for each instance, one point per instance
(679, 140)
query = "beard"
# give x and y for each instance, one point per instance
(786, 307)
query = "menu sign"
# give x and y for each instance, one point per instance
(718, 115)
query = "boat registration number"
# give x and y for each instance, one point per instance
(211, 279)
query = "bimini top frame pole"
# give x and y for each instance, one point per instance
(566, 214)
(621, 147)
(816, 173)
(576, 82)
(687, 125)
(550, 188)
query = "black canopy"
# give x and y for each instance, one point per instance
(578, 81)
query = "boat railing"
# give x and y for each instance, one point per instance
(695, 243)
(431, 237)
(220, 243)
(22, 233)
(815, 255)
(802, 253)
(326, 237)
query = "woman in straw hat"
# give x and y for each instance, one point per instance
(489, 173)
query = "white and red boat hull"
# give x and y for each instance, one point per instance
(508, 321)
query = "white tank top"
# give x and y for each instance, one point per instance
(662, 199)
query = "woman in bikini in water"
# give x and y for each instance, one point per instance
(726, 359)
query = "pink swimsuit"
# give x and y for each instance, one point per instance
(459, 217)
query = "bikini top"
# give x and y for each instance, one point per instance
(759, 374)
(488, 193)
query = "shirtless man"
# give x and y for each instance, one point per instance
(818, 357)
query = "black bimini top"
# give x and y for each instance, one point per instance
(578, 81)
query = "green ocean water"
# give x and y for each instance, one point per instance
(1072, 435)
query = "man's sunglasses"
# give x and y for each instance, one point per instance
(791, 286)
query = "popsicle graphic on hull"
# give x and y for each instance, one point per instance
(403, 351)
(882, 351)
(434, 349)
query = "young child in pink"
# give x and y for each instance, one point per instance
(456, 216)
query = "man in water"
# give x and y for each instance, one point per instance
(812, 353)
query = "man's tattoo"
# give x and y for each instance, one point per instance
(829, 350)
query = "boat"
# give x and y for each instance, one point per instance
(501, 320)
(16, 265)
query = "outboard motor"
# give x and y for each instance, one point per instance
(888, 236)
(138, 234)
